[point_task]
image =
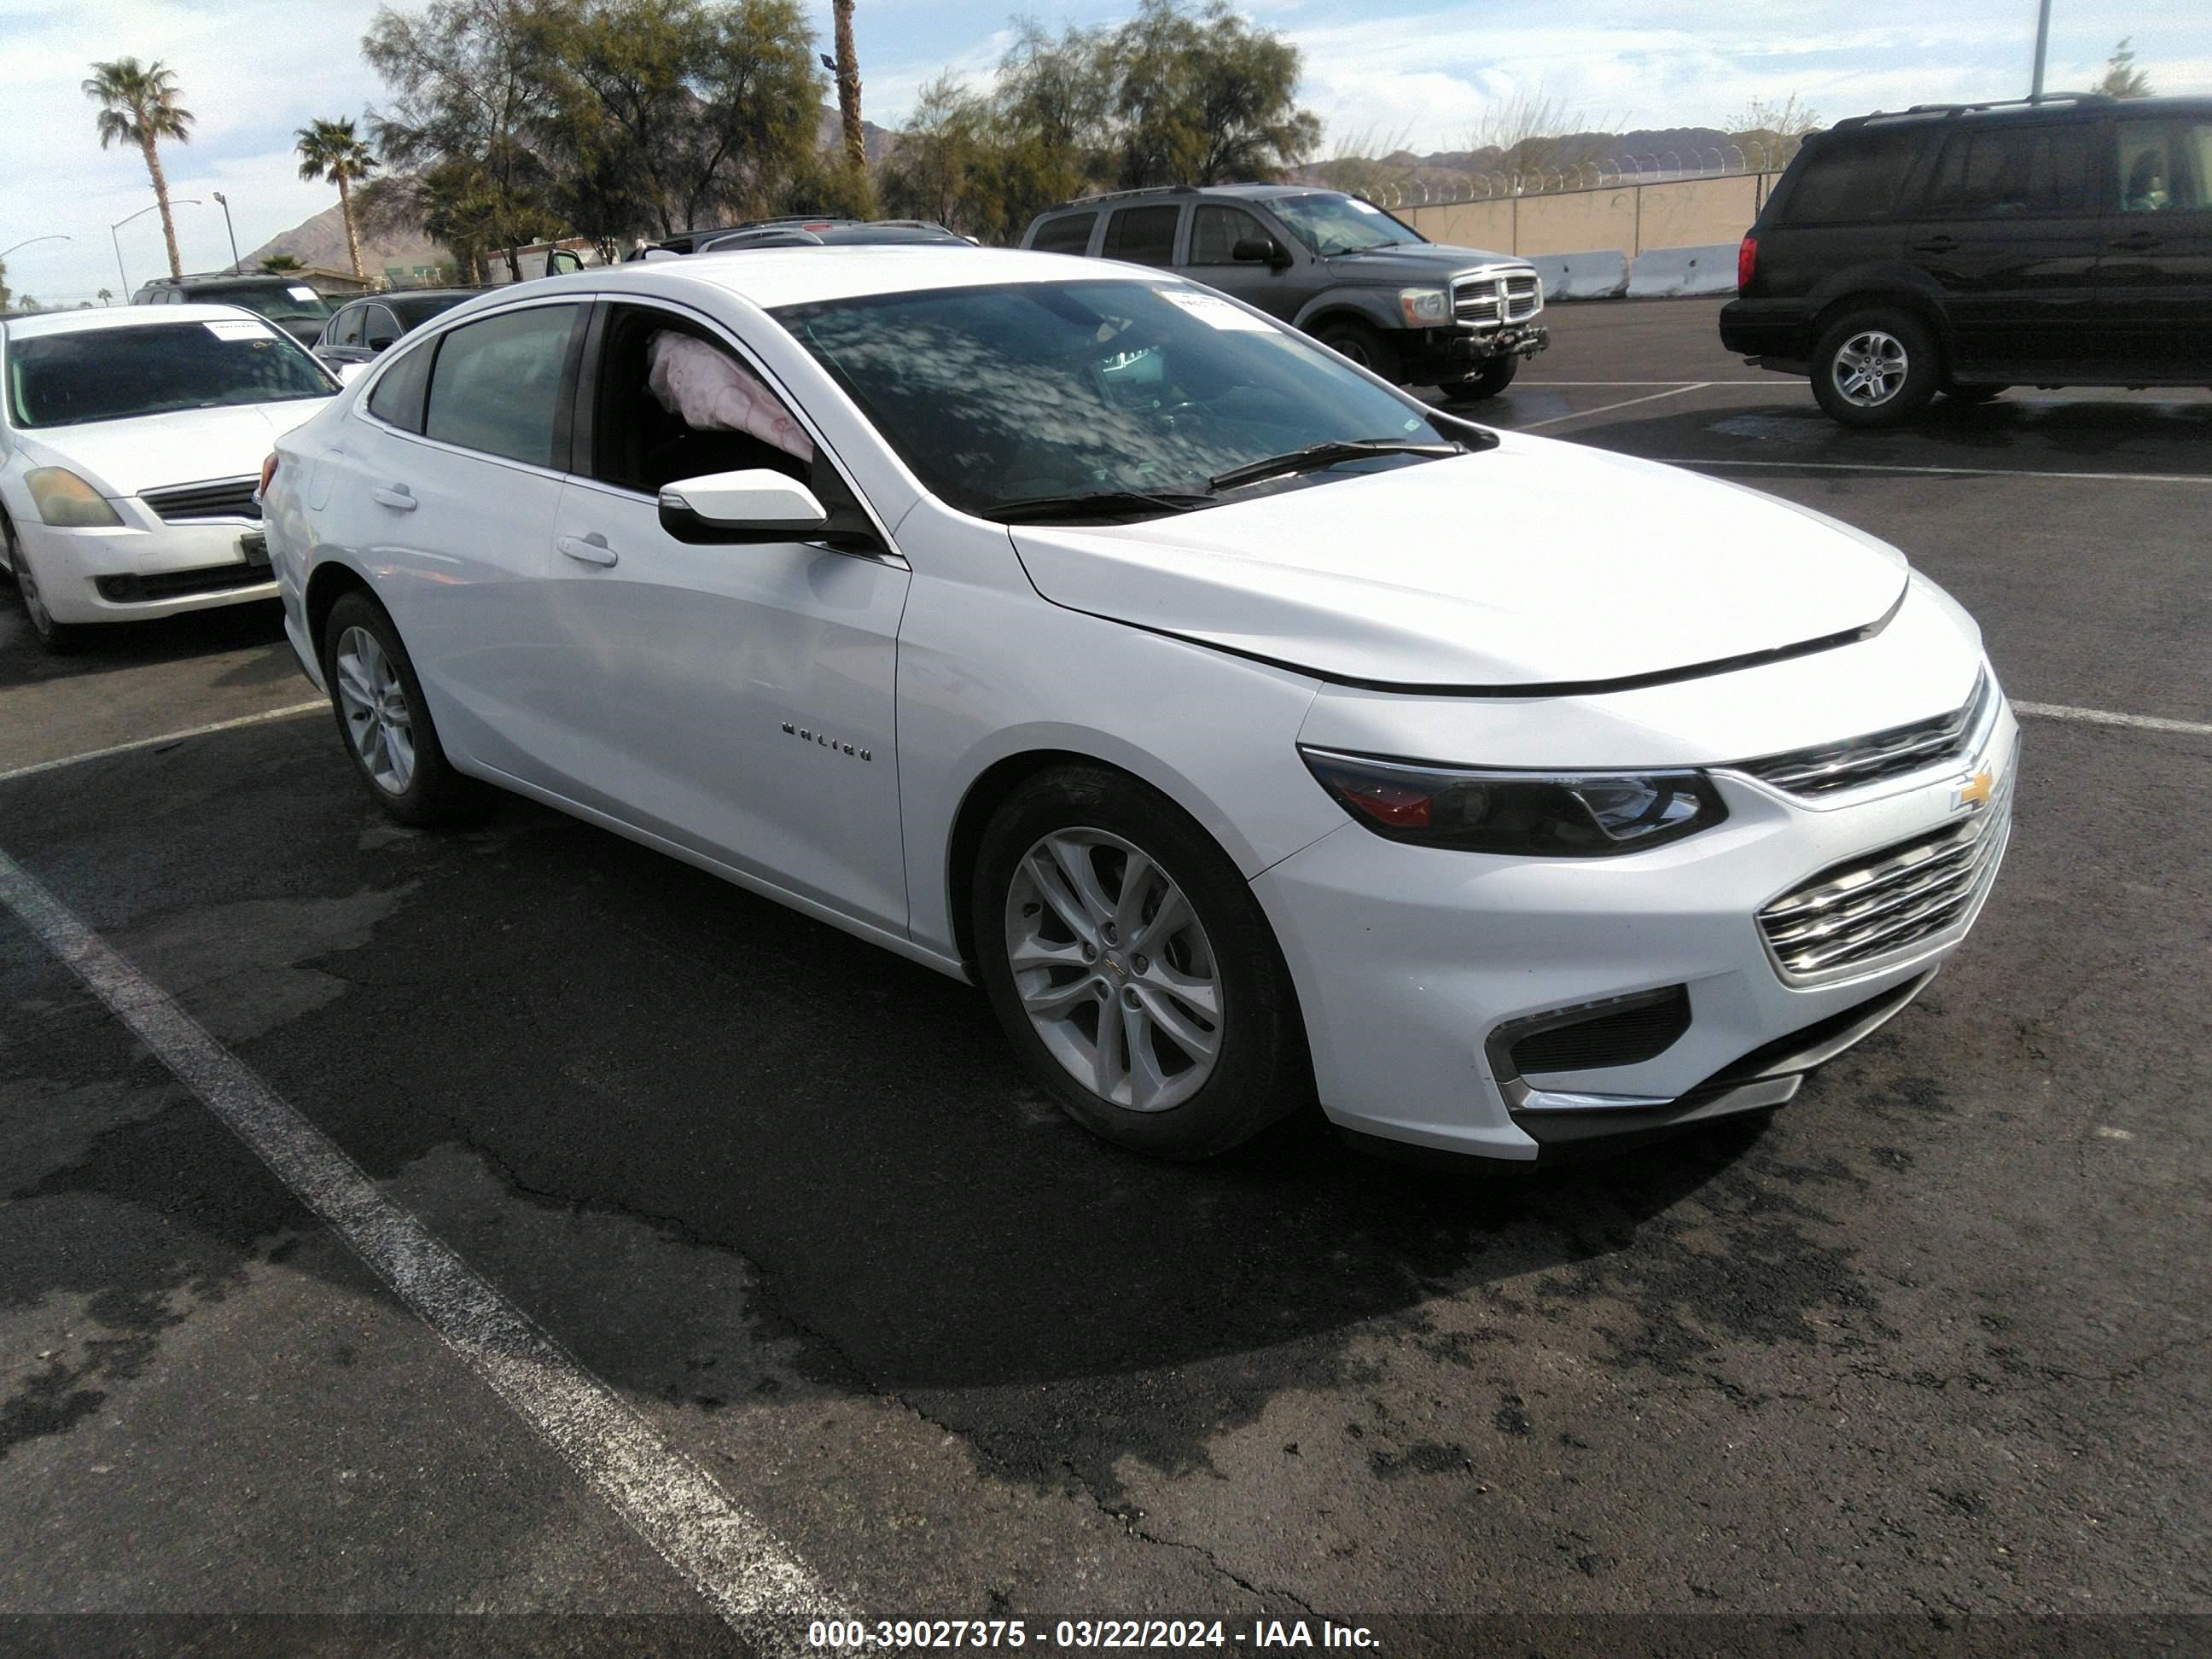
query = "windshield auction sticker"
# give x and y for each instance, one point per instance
(1212, 308)
(238, 328)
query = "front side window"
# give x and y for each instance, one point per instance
(116, 373)
(997, 396)
(1215, 232)
(1144, 234)
(346, 330)
(2011, 173)
(2165, 166)
(1864, 178)
(1069, 233)
(496, 383)
(380, 328)
(1331, 224)
(669, 401)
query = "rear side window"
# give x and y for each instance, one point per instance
(2009, 172)
(1860, 179)
(397, 397)
(496, 384)
(1144, 235)
(1067, 234)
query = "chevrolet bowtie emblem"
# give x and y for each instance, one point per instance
(1975, 791)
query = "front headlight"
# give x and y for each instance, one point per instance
(1572, 815)
(68, 501)
(1425, 307)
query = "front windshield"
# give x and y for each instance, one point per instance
(1331, 224)
(114, 373)
(997, 396)
(294, 303)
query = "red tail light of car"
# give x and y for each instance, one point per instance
(1747, 263)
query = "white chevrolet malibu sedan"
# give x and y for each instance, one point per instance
(1251, 732)
(130, 440)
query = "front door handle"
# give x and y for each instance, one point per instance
(397, 497)
(590, 550)
(1935, 245)
(2138, 240)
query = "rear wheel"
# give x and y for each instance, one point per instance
(61, 639)
(384, 719)
(1493, 378)
(1132, 969)
(1876, 367)
(1362, 343)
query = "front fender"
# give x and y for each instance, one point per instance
(1376, 306)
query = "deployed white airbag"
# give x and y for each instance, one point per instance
(712, 393)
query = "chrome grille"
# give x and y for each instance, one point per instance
(223, 498)
(1496, 296)
(1887, 754)
(1523, 296)
(1477, 303)
(1885, 902)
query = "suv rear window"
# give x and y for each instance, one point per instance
(2006, 172)
(1858, 177)
(1070, 233)
(1144, 234)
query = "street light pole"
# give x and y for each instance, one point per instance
(2042, 41)
(232, 234)
(189, 201)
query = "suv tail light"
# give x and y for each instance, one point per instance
(1747, 263)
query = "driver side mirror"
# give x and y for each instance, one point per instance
(1260, 250)
(758, 506)
(380, 342)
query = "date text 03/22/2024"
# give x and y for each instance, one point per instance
(1085, 1635)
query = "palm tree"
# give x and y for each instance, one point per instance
(107, 298)
(329, 150)
(139, 105)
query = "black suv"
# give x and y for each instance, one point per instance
(1417, 312)
(287, 301)
(1964, 248)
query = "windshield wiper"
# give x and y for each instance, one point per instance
(1314, 457)
(1096, 504)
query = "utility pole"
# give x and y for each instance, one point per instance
(233, 234)
(2042, 43)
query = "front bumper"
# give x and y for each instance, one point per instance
(138, 572)
(1419, 969)
(1452, 352)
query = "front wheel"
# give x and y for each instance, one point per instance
(384, 719)
(1366, 346)
(1493, 378)
(1876, 368)
(58, 639)
(1133, 970)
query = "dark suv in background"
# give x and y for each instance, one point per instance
(1964, 248)
(287, 301)
(1417, 312)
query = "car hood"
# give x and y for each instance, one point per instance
(186, 445)
(1537, 565)
(1413, 262)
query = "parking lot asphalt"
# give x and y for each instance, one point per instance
(1931, 1345)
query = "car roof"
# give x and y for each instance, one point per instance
(402, 295)
(770, 278)
(229, 278)
(1247, 192)
(32, 325)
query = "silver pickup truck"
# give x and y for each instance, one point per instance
(1415, 311)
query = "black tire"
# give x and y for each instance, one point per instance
(1975, 394)
(56, 639)
(1493, 378)
(1919, 368)
(433, 791)
(1259, 1071)
(1366, 346)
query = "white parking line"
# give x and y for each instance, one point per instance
(1939, 471)
(2059, 711)
(1675, 390)
(287, 713)
(1541, 386)
(757, 1585)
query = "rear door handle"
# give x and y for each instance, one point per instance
(590, 550)
(397, 497)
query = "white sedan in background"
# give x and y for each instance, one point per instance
(1250, 731)
(131, 439)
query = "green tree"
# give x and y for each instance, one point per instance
(331, 151)
(107, 298)
(4, 285)
(1203, 99)
(2122, 78)
(139, 105)
(279, 265)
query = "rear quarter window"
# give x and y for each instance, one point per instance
(1861, 178)
(1069, 233)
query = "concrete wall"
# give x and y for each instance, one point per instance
(1631, 218)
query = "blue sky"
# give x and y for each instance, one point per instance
(1420, 72)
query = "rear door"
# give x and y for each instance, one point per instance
(2155, 276)
(1216, 229)
(1143, 233)
(2008, 229)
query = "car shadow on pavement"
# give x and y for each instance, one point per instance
(137, 645)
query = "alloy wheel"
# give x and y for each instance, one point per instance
(1871, 367)
(1113, 968)
(374, 701)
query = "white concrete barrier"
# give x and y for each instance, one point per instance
(1599, 276)
(1664, 272)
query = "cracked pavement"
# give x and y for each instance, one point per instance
(1932, 1343)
